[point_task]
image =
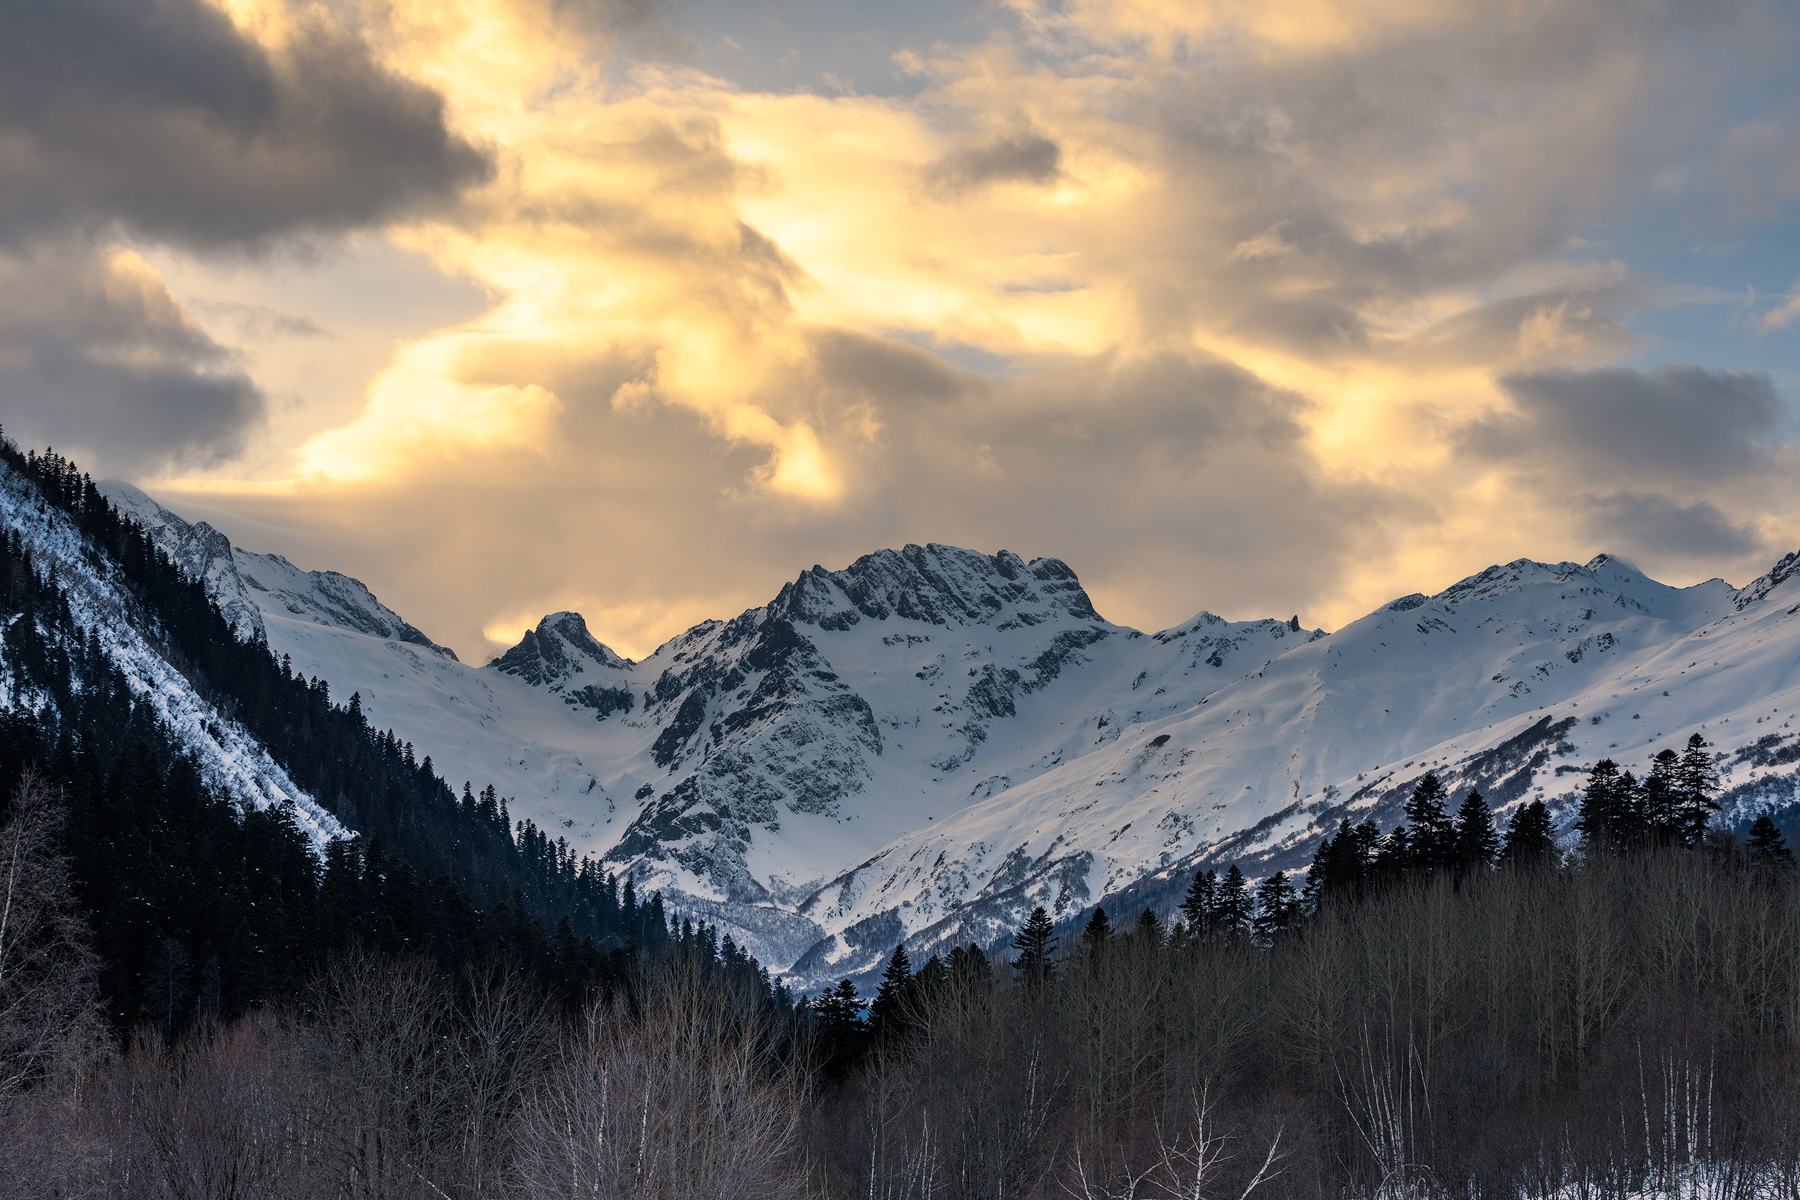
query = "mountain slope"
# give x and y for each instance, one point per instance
(926, 743)
(247, 585)
(230, 759)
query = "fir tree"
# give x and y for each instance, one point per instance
(1432, 840)
(1768, 845)
(1530, 839)
(1660, 800)
(1036, 944)
(1097, 933)
(1148, 931)
(1695, 781)
(1231, 913)
(842, 1034)
(1197, 906)
(1476, 841)
(1277, 909)
(888, 1011)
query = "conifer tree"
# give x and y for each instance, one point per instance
(930, 979)
(1148, 930)
(1530, 840)
(1432, 839)
(1231, 914)
(1394, 855)
(1036, 944)
(1660, 800)
(1695, 781)
(1767, 845)
(887, 1012)
(1606, 804)
(1277, 909)
(1197, 906)
(1097, 932)
(1476, 841)
(842, 1034)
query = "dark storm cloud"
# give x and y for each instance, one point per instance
(160, 115)
(1681, 421)
(1023, 155)
(97, 358)
(1642, 522)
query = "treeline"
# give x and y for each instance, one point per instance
(1624, 1024)
(367, 777)
(199, 909)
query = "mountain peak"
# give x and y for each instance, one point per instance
(557, 651)
(937, 585)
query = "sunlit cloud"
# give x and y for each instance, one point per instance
(1212, 300)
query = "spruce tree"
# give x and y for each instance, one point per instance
(1660, 803)
(888, 1011)
(1695, 781)
(1097, 933)
(1433, 835)
(1197, 907)
(1036, 944)
(1767, 845)
(1277, 909)
(1231, 913)
(1530, 840)
(1601, 800)
(1476, 841)
(1148, 930)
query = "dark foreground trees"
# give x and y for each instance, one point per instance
(1614, 1027)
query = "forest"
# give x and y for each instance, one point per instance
(194, 1004)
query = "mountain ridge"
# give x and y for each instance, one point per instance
(924, 744)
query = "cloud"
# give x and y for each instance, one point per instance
(1644, 522)
(1266, 307)
(1021, 155)
(167, 118)
(1681, 422)
(97, 358)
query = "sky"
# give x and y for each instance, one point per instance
(641, 307)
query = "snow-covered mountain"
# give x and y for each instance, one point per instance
(928, 742)
(247, 585)
(230, 759)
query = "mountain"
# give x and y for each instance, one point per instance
(247, 585)
(928, 742)
(231, 760)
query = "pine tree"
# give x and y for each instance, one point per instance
(1197, 906)
(1606, 801)
(1277, 909)
(842, 1034)
(1695, 781)
(1768, 845)
(1433, 836)
(1476, 841)
(1660, 800)
(1530, 840)
(888, 1011)
(1231, 914)
(1148, 931)
(1097, 933)
(1036, 944)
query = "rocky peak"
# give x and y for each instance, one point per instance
(1762, 585)
(556, 652)
(937, 585)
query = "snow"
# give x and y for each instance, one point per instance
(230, 759)
(932, 740)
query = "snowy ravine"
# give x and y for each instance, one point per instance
(230, 759)
(923, 745)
